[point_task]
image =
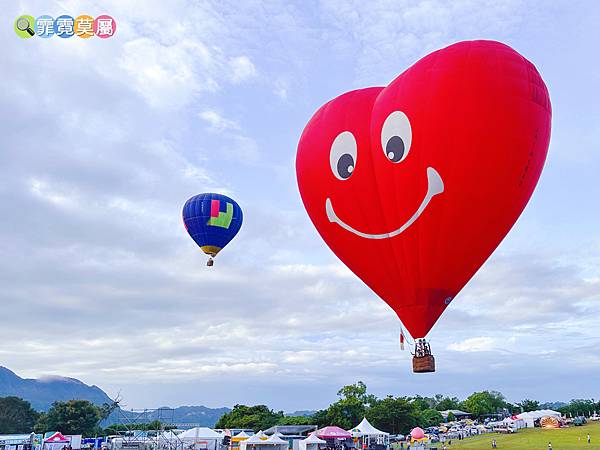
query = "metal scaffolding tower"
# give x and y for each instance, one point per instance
(156, 437)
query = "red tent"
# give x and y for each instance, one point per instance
(57, 438)
(332, 432)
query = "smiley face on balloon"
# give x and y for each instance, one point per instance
(415, 184)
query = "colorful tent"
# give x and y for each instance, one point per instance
(242, 435)
(333, 432)
(57, 438)
(56, 441)
(256, 442)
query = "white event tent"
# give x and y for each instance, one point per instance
(531, 416)
(311, 442)
(256, 443)
(275, 440)
(202, 436)
(368, 432)
(242, 434)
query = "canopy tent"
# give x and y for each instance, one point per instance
(200, 433)
(333, 432)
(238, 438)
(202, 437)
(311, 442)
(255, 442)
(368, 433)
(57, 438)
(55, 441)
(364, 428)
(276, 440)
(261, 434)
(242, 435)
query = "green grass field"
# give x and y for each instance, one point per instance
(535, 439)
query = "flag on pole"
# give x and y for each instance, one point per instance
(401, 339)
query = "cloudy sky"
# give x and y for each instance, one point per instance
(102, 141)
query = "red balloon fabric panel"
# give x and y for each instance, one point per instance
(414, 185)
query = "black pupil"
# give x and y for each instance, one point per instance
(394, 149)
(345, 165)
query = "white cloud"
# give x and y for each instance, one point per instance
(241, 69)
(386, 36)
(217, 122)
(169, 75)
(475, 344)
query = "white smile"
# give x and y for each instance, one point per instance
(435, 186)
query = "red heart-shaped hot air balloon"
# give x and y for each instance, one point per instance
(414, 185)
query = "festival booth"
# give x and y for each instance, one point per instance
(238, 438)
(277, 443)
(30, 441)
(311, 442)
(201, 438)
(369, 436)
(56, 441)
(333, 435)
(260, 442)
(514, 422)
(332, 432)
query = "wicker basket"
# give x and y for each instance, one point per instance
(423, 364)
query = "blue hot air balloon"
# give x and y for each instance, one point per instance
(212, 220)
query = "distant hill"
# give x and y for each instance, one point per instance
(42, 392)
(184, 416)
(553, 405)
(303, 413)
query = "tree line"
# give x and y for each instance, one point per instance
(70, 417)
(396, 415)
(392, 414)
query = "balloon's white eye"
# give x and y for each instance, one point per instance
(396, 136)
(342, 155)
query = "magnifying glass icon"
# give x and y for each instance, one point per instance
(23, 25)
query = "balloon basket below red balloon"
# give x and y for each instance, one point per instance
(423, 360)
(423, 364)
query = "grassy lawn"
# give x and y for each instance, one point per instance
(530, 439)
